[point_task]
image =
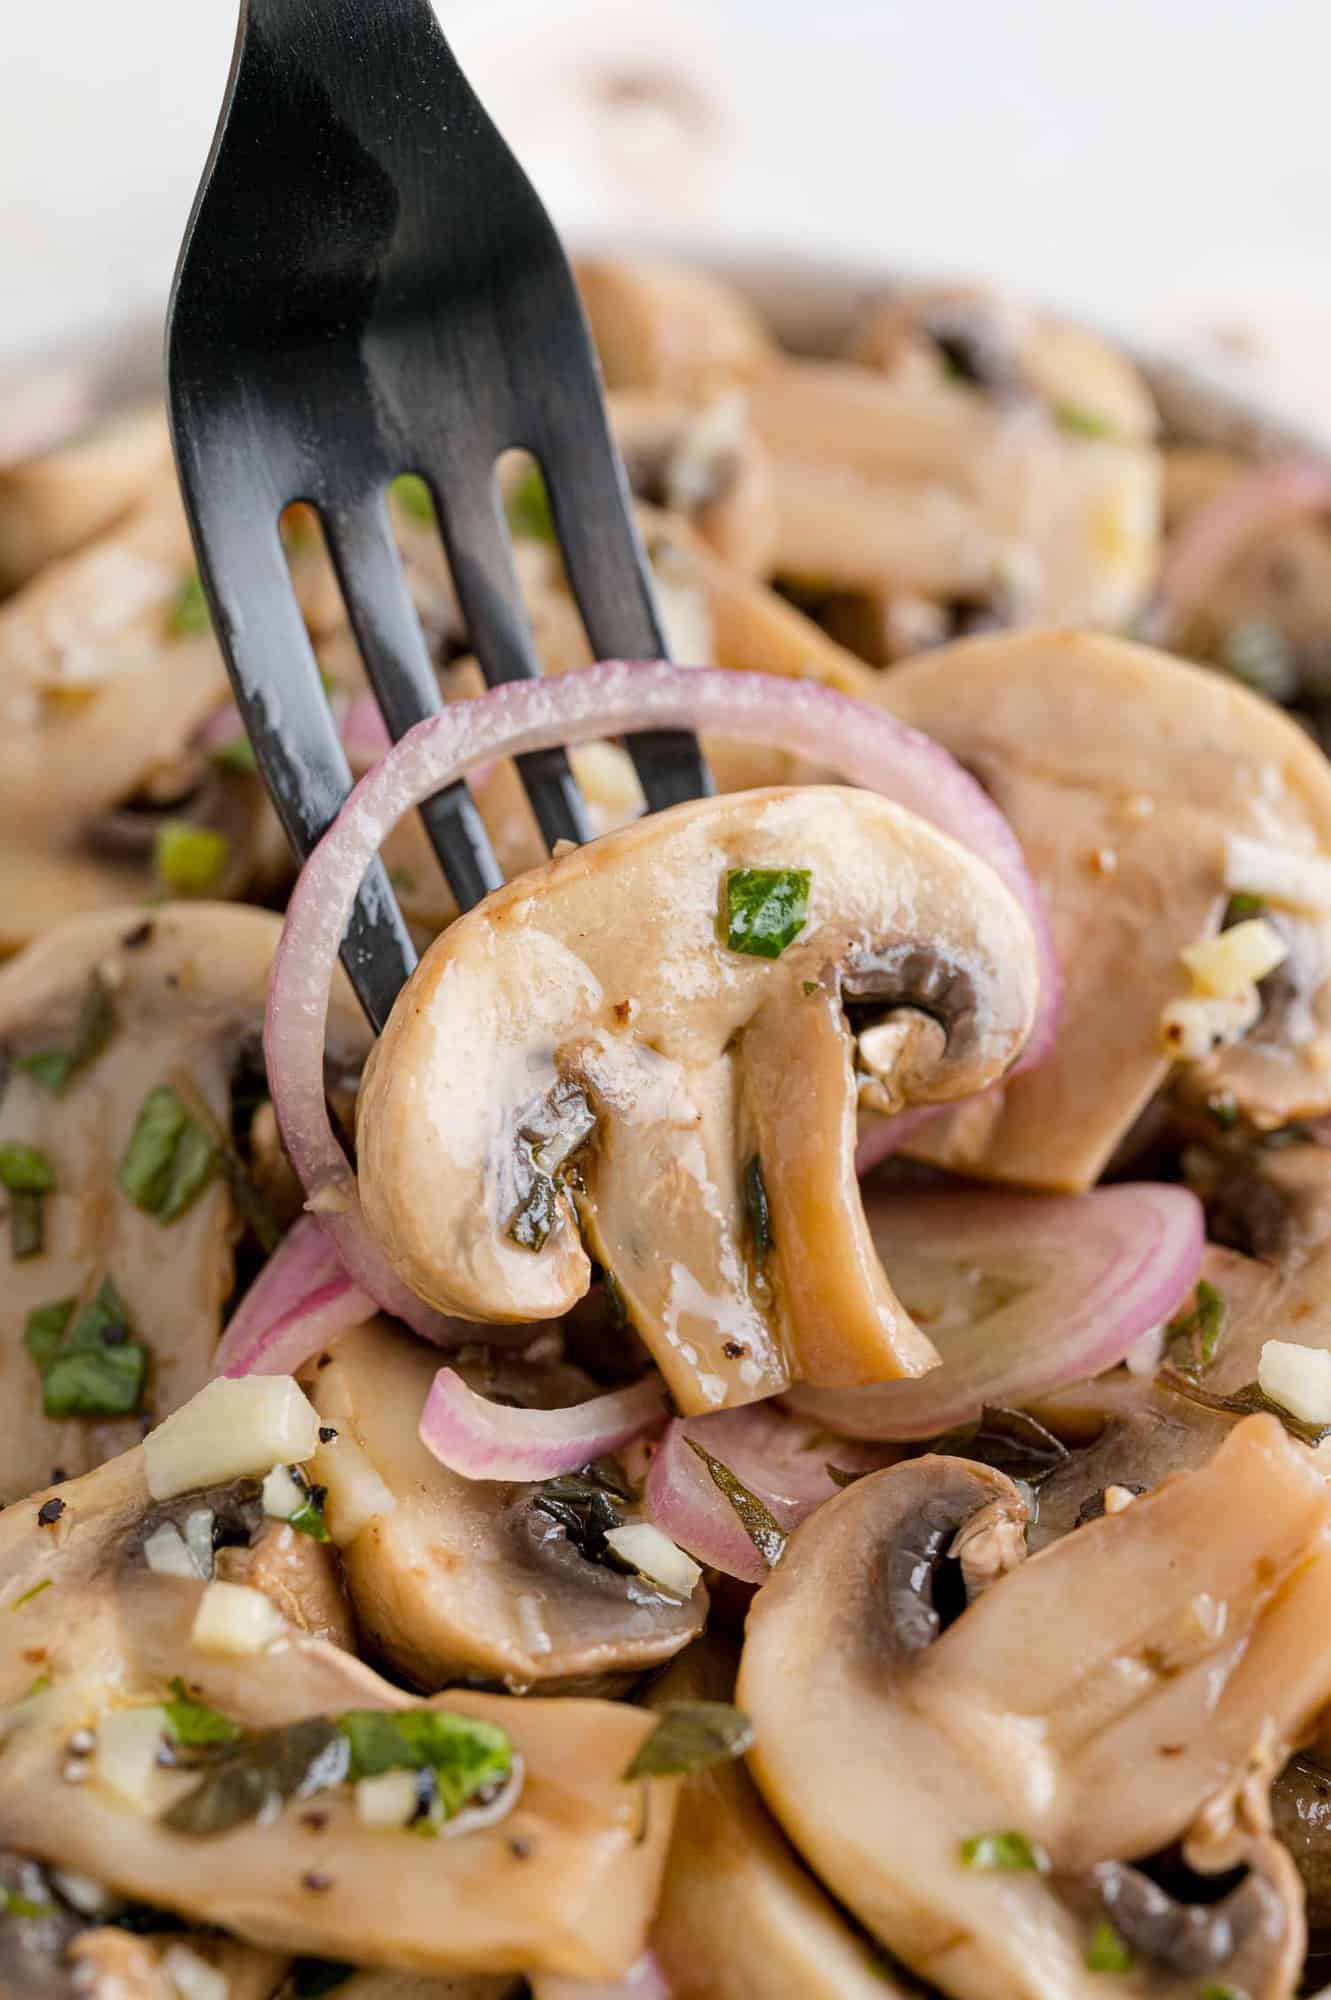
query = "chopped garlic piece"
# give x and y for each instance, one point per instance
(1191, 1030)
(1281, 874)
(281, 1496)
(655, 1556)
(88, 1897)
(191, 1977)
(354, 1494)
(230, 1430)
(232, 1618)
(1298, 1378)
(167, 1553)
(391, 1799)
(128, 1741)
(1117, 1498)
(1225, 966)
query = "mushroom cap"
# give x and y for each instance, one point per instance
(187, 983)
(565, 1881)
(464, 1579)
(1122, 771)
(881, 1746)
(604, 976)
(739, 1918)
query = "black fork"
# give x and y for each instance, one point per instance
(369, 286)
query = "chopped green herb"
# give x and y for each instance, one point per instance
(766, 909)
(308, 1518)
(1220, 1989)
(1106, 1951)
(403, 879)
(52, 1068)
(189, 860)
(237, 755)
(260, 1775)
(311, 1978)
(810, 986)
(465, 1754)
(529, 508)
(1261, 657)
(1078, 421)
(1223, 1107)
(758, 1522)
(1008, 1850)
(194, 1724)
(583, 1505)
(757, 1207)
(189, 611)
(92, 1367)
(254, 1210)
(26, 1168)
(692, 1736)
(1241, 906)
(1248, 1401)
(39, 1686)
(537, 1214)
(168, 1161)
(36, 1591)
(27, 1225)
(413, 496)
(614, 1299)
(1193, 1337)
(14, 1905)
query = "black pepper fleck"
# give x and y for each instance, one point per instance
(326, 1433)
(732, 1349)
(58, 1476)
(315, 1821)
(314, 1878)
(49, 1513)
(140, 935)
(520, 1849)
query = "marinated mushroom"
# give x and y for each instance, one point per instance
(121, 1031)
(667, 328)
(1141, 790)
(183, 1752)
(739, 1918)
(959, 1785)
(703, 463)
(611, 1012)
(50, 505)
(472, 1579)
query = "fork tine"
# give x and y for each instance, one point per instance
(603, 554)
(481, 560)
(392, 645)
(275, 677)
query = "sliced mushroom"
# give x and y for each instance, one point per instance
(50, 505)
(739, 1918)
(665, 327)
(180, 992)
(470, 1579)
(1123, 772)
(1193, 1655)
(926, 487)
(591, 1009)
(382, 1985)
(111, 1964)
(561, 1874)
(703, 463)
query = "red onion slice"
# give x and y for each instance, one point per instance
(644, 1980)
(1020, 1294)
(1270, 496)
(301, 1301)
(484, 1440)
(779, 1457)
(868, 746)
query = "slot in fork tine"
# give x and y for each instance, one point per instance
(481, 558)
(281, 699)
(392, 646)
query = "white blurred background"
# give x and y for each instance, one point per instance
(1161, 165)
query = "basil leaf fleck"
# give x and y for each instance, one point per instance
(757, 1520)
(25, 1169)
(529, 508)
(36, 1591)
(413, 496)
(766, 909)
(189, 611)
(466, 1754)
(89, 1363)
(757, 1207)
(189, 860)
(263, 1773)
(1078, 421)
(14, 1905)
(1192, 1337)
(1010, 1850)
(52, 1068)
(1106, 1951)
(27, 1225)
(692, 1736)
(168, 1161)
(1248, 1401)
(194, 1724)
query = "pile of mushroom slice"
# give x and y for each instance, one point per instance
(178, 992)
(560, 1875)
(598, 997)
(984, 1788)
(1145, 793)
